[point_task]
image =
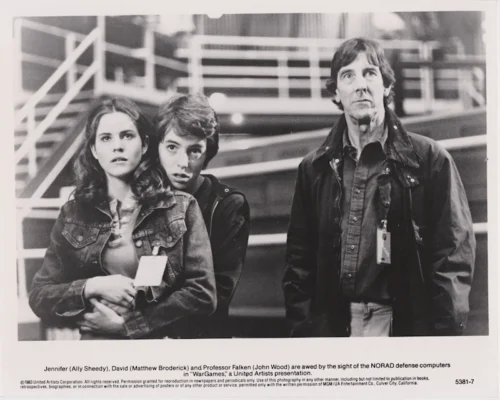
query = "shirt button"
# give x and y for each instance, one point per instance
(358, 191)
(79, 238)
(387, 170)
(226, 190)
(138, 243)
(349, 275)
(355, 218)
(412, 180)
(352, 247)
(395, 127)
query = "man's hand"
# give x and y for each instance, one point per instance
(117, 289)
(102, 319)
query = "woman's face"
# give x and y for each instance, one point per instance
(183, 158)
(118, 147)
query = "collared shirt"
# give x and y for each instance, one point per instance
(119, 255)
(362, 278)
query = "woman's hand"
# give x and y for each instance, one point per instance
(117, 289)
(102, 319)
(120, 310)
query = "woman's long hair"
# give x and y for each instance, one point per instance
(145, 182)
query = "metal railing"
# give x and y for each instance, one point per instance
(68, 68)
(283, 66)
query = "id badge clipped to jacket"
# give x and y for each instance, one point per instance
(151, 269)
(383, 244)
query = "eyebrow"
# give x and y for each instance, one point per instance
(371, 68)
(109, 133)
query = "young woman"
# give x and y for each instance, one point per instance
(188, 135)
(120, 213)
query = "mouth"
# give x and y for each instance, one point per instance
(363, 101)
(119, 160)
(181, 178)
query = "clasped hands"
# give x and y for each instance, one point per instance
(111, 297)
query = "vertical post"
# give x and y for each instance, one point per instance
(18, 60)
(464, 78)
(149, 59)
(426, 79)
(22, 291)
(195, 66)
(283, 87)
(30, 129)
(314, 71)
(99, 55)
(69, 46)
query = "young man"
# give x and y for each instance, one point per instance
(188, 135)
(380, 241)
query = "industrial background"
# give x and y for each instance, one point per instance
(264, 75)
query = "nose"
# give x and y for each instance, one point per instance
(117, 144)
(182, 160)
(360, 83)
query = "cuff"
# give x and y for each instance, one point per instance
(135, 325)
(153, 293)
(73, 302)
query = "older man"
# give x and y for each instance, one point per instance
(380, 241)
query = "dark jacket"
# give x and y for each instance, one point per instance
(227, 218)
(78, 238)
(433, 243)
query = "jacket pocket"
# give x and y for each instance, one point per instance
(169, 242)
(81, 238)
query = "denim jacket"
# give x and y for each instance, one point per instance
(78, 238)
(433, 246)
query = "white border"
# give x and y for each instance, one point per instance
(470, 356)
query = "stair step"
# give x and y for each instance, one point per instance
(59, 123)
(40, 154)
(46, 138)
(53, 98)
(72, 108)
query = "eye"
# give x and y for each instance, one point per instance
(347, 75)
(372, 72)
(128, 135)
(170, 147)
(104, 138)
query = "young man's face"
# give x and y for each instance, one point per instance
(183, 158)
(360, 89)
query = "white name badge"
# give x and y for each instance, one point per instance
(383, 246)
(150, 270)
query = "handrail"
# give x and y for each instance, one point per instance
(289, 164)
(133, 53)
(48, 62)
(54, 78)
(266, 239)
(53, 30)
(296, 42)
(54, 113)
(253, 143)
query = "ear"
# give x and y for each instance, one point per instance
(336, 96)
(145, 145)
(94, 153)
(387, 90)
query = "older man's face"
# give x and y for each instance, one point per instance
(360, 89)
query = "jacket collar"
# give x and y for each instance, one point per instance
(399, 146)
(167, 201)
